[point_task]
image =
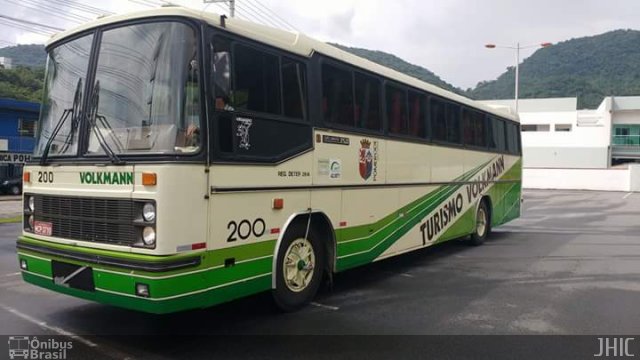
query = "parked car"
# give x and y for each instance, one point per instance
(12, 185)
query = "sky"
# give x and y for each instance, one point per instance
(444, 36)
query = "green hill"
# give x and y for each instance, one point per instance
(589, 68)
(395, 63)
(25, 55)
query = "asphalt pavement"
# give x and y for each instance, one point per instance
(569, 265)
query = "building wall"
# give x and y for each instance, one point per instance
(585, 145)
(11, 112)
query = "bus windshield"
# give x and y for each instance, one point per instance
(145, 97)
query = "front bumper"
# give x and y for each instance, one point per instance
(175, 282)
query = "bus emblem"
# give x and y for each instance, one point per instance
(366, 159)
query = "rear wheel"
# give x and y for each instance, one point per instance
(299, 268)
(483, 226)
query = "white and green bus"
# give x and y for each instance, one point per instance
(184, 160)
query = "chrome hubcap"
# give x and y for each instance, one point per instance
(299, 262)
(481, 222)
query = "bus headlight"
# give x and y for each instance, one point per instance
(149, 212)
(148, 236)
(32, 203)
(31, 221)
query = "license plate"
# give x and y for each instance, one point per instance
(43, 228)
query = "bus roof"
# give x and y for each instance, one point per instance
(293, 42)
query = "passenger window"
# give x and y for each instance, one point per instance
(438, 120)
(367, 109)
(294, 88)
(337, 95)
(417, 115)
(257, 80)
(496, 135)
(396, 110)
(474, 127)
(452, 114)
(221, 56)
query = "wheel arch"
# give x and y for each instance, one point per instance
(486, 199)
(321, 223)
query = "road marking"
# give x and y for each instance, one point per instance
(334, 308)
(626, 196)
(12, 274)
(43, 324)
(406, 275)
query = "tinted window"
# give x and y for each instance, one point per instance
(417, 115)
(337, 95)
(367, 110)
(445, 121)
(496, 135)
(512, 138)
(257, 80)
(294, 88)
(221, 55)
(474, 128)
(396, 109)
(453, 123)
(438, 120)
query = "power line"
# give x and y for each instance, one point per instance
(275, 15)
(26, 28)
(258, 17)
(26, 22)
(83, 7)
(48, 10)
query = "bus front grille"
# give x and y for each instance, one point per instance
(88, 219)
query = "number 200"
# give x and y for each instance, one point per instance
(244, 229)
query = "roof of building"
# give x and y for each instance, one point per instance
(621, 103)
(293, 42)
(19, 105)
(538, 105)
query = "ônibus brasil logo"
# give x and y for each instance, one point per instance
(32, 348)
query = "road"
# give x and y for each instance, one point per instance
(570, 265)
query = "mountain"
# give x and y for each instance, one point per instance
(588, 67)
(395, 63)
(25, 55)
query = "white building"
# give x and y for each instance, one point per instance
(5, 62)
(568, 148)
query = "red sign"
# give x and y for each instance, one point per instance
(42, 228)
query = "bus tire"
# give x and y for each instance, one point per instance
(482, 225)
(299, 269)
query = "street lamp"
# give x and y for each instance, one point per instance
(517, 48)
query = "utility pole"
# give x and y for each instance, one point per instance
(232, 5)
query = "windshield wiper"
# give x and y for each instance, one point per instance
(93, 117)
(74, 112)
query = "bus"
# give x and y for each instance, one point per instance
(184, 159)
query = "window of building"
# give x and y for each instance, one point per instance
(337, 92)
(367, 109)
(563, 127)
(536, 127)
(396, 109)
(27, 127)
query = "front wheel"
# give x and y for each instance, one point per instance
(15, 190)
(483, 225)
(299, 268)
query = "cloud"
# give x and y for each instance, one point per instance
(447, 37)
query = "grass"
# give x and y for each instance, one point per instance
(14, 219)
